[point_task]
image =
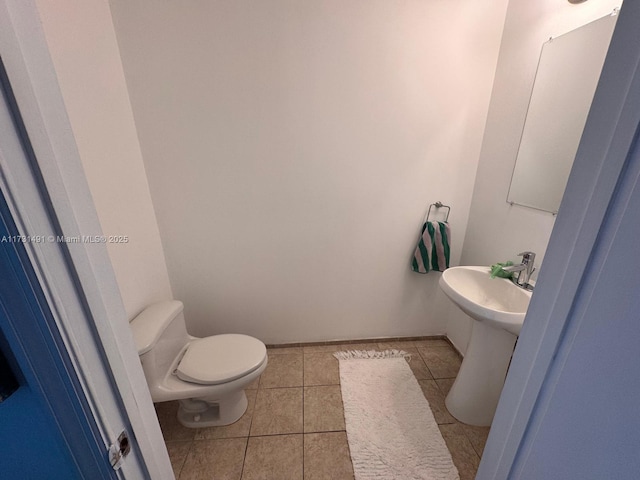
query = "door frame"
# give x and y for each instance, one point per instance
(52, 198)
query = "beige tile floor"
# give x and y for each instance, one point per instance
(294, 425)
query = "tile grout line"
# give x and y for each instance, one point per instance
(184, 460)
(303, 397)
(426, 364)
(246, 448)
(246, 445)
(303, 433)
(456, 421)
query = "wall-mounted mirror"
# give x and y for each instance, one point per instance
(566, 79)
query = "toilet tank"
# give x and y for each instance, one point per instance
(160, 334)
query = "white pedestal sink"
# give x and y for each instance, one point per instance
(498, 308)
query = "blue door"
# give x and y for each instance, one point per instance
(47, 430)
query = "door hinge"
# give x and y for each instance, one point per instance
(119, 450)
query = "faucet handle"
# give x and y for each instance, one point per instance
(528, 256)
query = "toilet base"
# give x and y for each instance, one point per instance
(210, 412)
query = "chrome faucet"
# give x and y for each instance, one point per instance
(523, 271)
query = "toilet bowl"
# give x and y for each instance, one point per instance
(206, 375)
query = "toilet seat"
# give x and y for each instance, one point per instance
(220, 359)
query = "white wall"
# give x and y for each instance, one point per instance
(497, 231)
(292, 149)
(85, 53)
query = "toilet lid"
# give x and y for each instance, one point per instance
(221, 358)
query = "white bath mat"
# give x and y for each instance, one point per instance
(390, 428)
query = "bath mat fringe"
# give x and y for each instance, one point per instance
(355, 354)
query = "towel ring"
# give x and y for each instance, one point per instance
(439, 204)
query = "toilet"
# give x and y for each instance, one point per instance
(206, 375)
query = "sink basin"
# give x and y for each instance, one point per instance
(495, 301)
